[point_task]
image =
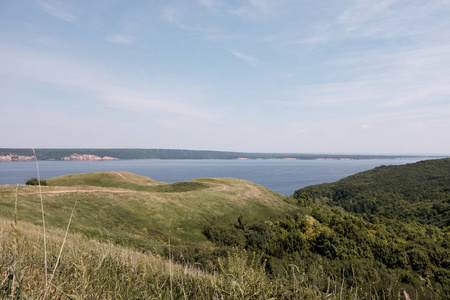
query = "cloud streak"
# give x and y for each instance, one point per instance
(98, 85)
(211, 4)
(259, 9)
(247, 58)
(56, 9)
(187, 20)
(120, 39)
(385, 20)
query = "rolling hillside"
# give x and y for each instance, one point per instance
(133, 210)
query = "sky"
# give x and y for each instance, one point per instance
(290, 76)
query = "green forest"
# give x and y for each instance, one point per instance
(383, 227)
(417, 192)
(379, 234)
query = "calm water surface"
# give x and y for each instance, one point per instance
(282, 176)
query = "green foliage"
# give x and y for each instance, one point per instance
(403, 253)
(35, 181)
(414, 192)
(222, 232)
(245, 275)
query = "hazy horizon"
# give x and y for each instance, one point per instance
(285, 76)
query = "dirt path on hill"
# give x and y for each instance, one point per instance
(221, 187)
(126, 178)
(79, 191)
(218, 187)
(131, 180)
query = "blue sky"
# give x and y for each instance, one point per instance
(255, 76)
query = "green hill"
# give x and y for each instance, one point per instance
(103, 179)
(414, 192)
(125, 180)
(133, 210)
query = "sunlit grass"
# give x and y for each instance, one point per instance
(90, 269)
(141, 219)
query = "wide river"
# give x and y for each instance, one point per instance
(282, 176)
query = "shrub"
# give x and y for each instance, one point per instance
(35, 181)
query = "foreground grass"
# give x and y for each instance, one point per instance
(93, 270)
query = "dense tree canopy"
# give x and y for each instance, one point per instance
(414, 192)
(381, 230)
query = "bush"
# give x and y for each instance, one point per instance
(35, 181)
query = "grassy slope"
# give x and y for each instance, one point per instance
(133, 210)
(89, 269)
(102, 179)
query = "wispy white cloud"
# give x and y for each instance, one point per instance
(257, 9)
(343, 93)
(56, 9)
(368, 127)
(171, 14)
(182, 18)
(212, 4)
(120, 39)
(363, 11)
(360, 20)
(99, 86)
(247, 58)
(215, 35)
(391, 91)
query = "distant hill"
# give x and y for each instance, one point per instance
(413, 192)
(99, 154)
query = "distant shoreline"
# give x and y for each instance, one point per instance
(96, 154)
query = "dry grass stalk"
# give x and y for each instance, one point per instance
(170, 271)
(43, 219)
(16, 229)
(406, 295)
(15, 205)
(60, 250)
(16, 245)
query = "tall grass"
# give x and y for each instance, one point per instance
(14, 278)
(60, 251)
(93, 270)
(43, 220)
